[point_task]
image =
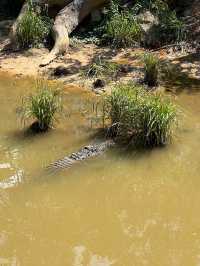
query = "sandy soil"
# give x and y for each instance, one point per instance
(27, 62)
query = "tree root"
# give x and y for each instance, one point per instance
(65, 22)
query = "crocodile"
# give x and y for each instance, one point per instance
(84, 153)
(89, 151)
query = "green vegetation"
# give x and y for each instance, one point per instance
(155, 6)
(42, 107)
(33, 29)
(151, 67)
(100, 68)
(138, 117)
(170, 28)
(122, 28)
(90, 33)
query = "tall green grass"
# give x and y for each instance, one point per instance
(122, 28)
(43, 107)
(139, 118)
(151, 67)
(33, 28)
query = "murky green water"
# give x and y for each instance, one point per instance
(119, 209)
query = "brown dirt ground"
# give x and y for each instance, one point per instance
(26, 63)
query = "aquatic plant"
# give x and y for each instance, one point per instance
(139, 118)
(33, 28)
(42, 107)
(151, 67)
(122, 28)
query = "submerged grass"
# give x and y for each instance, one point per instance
(139, 118)
(42, 107)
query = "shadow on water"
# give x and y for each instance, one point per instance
(27, 135)
(126, 152)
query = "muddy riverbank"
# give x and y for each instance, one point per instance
(70, 67)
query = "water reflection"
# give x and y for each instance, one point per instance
(12, 180)
(82, 257)
(9, 261)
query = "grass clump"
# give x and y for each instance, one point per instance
(100, 68)
(138, 117)
(42, 107)
(151, 67)
(122, 28)
(33, 28)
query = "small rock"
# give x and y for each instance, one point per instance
(148, 22)
(99, 83)
(186, 65)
